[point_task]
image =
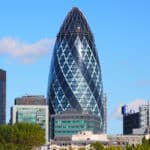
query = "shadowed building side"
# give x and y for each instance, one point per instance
(2, 96)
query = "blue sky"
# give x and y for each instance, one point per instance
(121, 28)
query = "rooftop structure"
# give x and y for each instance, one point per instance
(30, 100)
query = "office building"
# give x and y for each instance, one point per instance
(65, 124)
(28, 110)
(2, 96)
(136, 122)
(75, 74)
(130, 122)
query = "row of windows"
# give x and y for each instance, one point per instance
(73, 126)
(66, 132)
(69, 121)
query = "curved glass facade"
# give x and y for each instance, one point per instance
(75, 75)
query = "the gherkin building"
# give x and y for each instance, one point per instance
(75, 75)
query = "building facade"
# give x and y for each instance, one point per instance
(86, 138)
(75, 75)
(136, 122)
(66, 124)
(124, 140)
(105, 112)
(28, 110)
(144, 116)
(82, 140)
(2, 96)
(130, 122)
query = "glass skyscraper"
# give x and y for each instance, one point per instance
(2, 96)
(75, 75)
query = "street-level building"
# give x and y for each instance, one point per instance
(81, 140)
(123, 140)
(86, 138)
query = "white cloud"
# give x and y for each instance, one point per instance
(134, 105)
(25, 52)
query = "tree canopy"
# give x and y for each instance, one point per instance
(21, 136)
(144, 146)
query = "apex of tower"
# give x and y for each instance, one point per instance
(75, 9)
(75, 23)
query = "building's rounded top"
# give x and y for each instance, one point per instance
(75, 9)
(74, 23)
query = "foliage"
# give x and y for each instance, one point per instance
(21, 136)
(144, 146)
(82, 148)
(113, 148)
(97, 146)
(70, 148)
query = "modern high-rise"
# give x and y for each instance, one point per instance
(75, 75)
(2, 96)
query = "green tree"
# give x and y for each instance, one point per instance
(81, 148)
(113, 148)
(97, 146)
(70, 148)
(21, 136)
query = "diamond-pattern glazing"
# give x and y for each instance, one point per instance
(75, 75)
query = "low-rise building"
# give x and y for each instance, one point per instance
(86, 138)
(81, 140)
(123, 140)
